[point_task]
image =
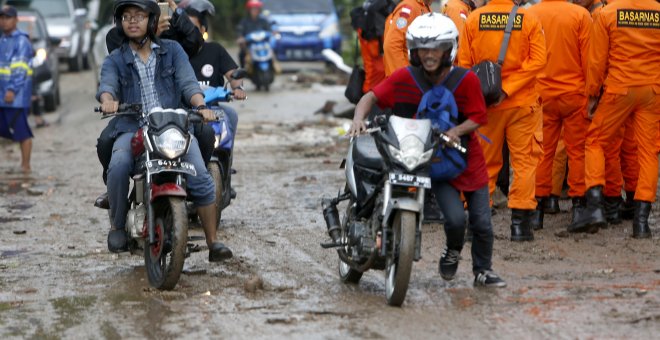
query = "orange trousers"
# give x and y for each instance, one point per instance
(570, 113)
(640, 104)
(559, 167)
(523, 129)
(621, 164)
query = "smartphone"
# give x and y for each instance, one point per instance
(165, 8)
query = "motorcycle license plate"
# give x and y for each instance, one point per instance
(410, 180)
(161, 165)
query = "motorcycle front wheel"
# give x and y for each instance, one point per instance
(401, 253)
(214, 170)
(164, 259)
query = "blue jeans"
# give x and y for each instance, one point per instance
(201, 188)
(480, 224)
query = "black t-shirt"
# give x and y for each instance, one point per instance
(211, 63)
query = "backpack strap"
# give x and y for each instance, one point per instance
(455, 78)
(418, 76)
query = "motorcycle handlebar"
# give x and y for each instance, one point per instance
(448, 142)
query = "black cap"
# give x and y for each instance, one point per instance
(8, 11)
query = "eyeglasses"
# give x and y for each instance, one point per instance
(133, 18)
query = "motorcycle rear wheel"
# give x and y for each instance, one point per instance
(214, 170)
(401, 253)
(164, 259)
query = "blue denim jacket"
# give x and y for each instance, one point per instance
(15, 70)
(175, 80)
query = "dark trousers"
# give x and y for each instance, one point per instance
(480, 224)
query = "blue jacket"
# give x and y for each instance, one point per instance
(15, 72)
(174, 79)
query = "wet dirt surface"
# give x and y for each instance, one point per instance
(57, 279)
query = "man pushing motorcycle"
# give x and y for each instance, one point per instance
(432, 41)
(155, 73)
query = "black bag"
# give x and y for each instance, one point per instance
(354, 87)
(490, 73)
(353, 90)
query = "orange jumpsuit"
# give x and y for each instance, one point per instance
(561, 85)
(623, 58)
(457, 11)
(559, 167)
(395, 51)
(518, 118)
(373, 62)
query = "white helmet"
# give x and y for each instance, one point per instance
(432, 30)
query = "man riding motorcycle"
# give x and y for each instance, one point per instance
(212, 63)
(141, 70)
(253, 22)
(432, 41)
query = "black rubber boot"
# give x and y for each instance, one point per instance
(578, 205)
(627, 210)
(521, 226)
(641, 220)
(591, 218)
(551, 205)
(611, 209)
(537, 215)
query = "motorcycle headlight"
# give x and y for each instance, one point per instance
(411, 154)
(171, 143)
(329, 31)
(39, 57)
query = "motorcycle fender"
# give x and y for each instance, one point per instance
(401, 203)
(167, 189)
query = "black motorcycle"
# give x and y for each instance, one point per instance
(157, 222)
(387, 174)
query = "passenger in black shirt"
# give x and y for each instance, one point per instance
(253, 22)
(212, 63)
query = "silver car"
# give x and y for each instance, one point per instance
(66, 20)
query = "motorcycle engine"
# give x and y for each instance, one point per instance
(135, 221)
(360, 240)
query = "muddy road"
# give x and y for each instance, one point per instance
(57, 279)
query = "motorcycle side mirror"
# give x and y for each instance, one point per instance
(240, 73)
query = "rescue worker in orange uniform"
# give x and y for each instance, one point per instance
(623, 62)
(561, 86)
(458, 11)
(372, 59)
(621, 167)
(517, 116)
(369, 22)
(551, 205)
(395, 51)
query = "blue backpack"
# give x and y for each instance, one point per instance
(439, 106)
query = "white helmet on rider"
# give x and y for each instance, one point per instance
(432, 31)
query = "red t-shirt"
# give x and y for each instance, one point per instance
(400, 92)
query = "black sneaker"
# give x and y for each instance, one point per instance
(488, 279)
(449, 264)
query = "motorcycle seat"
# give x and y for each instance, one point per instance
(366, 154)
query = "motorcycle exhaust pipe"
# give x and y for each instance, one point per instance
(331, 216)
